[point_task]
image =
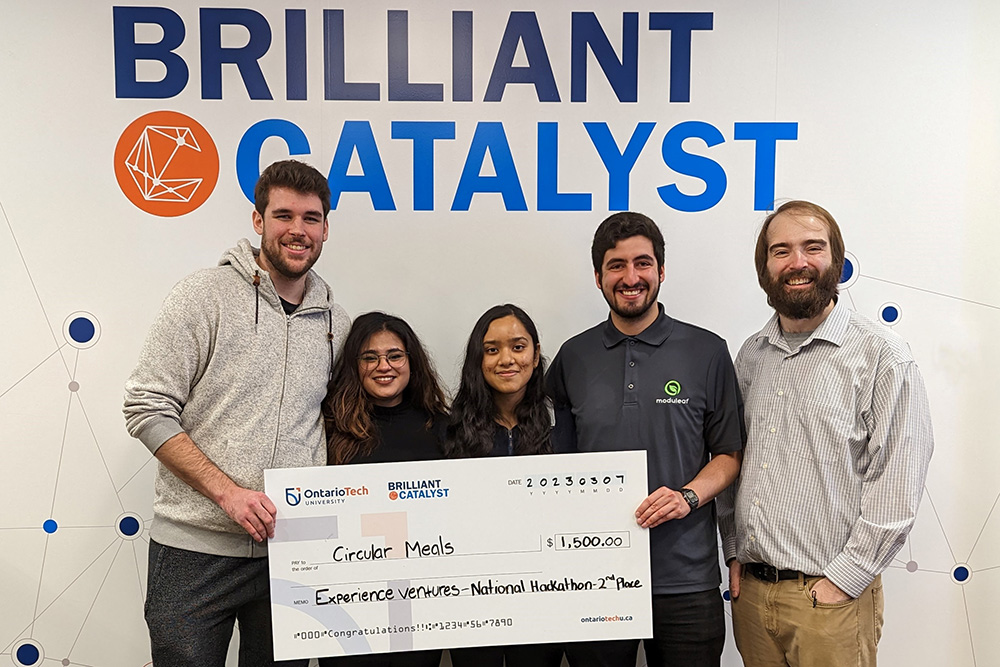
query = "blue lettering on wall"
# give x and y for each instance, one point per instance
(214, 55)
(548, 196)
(491, 138)
(697, 166)
(461, 56)
(335, 84)
(765, 137)
(423, 134)
(248, 151)
(522, 28)
(295, 54)
(357, 136)
(400, 88)
(623, 74)
(128, 52)
(618, 163)
(619, 67)
(680, 25)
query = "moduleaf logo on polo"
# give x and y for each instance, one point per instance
(673, 390)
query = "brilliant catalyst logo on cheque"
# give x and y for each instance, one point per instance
(295, 495)
(417, 489)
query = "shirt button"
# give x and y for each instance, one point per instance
(764, 466)
(774, 430)
(631, 363)
(631, 342)
(756, 502)
(752, 538)
(631, 386)
(781, 393)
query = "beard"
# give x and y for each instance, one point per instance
(633, 311)
(802, 304)
(271, 249)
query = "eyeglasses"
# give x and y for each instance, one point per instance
(395, 358)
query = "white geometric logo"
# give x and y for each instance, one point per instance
(148, 162)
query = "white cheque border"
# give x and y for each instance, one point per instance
(471, 552)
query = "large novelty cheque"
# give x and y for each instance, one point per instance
(472, 552)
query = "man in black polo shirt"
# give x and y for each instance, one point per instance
(641, 380)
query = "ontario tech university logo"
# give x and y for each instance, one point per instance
(335, 496)
(673, 389)
(166, 163)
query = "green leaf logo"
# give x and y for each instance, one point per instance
(672, 388)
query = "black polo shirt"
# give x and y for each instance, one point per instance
(670, 390)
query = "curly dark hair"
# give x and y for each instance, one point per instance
(474, 411)
(347, 408)
(624, 225)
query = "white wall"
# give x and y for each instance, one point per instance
(895, 105)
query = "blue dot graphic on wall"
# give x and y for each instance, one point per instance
(81, 330)
(28, 653)
(889, 314)
(129, 526)
(50, 526)
(849, 274)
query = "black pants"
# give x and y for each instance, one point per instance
(402, 659)
(193, 600)
(689, 630)
(526, 655)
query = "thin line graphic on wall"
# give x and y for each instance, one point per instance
(73, 571)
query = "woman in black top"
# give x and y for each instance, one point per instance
(501, 410)
(384, 404)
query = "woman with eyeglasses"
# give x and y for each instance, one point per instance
(384, 404)
(501, 410)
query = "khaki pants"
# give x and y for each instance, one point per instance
(775, 624)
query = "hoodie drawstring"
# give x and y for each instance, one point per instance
(329, 337)
(256, 309)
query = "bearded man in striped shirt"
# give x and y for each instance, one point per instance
(838, 443)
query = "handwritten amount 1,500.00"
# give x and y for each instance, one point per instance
(616, 540)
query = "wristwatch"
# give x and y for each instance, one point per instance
(691, 497)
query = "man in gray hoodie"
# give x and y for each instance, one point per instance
(229, 382)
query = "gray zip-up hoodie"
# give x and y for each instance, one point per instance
(225, 364)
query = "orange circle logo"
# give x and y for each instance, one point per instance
(166, 163)
(393, 495)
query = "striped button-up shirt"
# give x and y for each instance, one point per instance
(838, 442)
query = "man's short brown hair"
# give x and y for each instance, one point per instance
(294, 175)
